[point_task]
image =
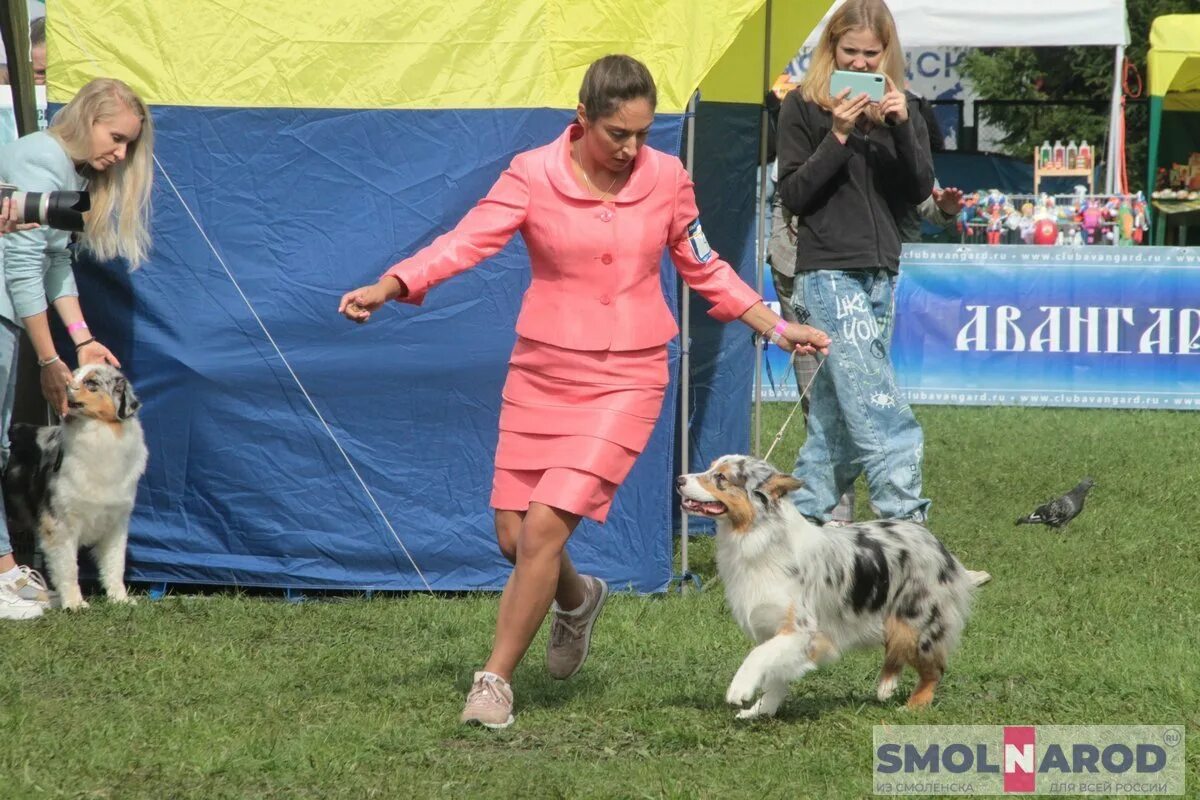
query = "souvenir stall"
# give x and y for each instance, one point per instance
(1173, 67)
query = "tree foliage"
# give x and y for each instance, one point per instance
(1045, 74)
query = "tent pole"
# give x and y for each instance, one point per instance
(760, 243)
(14, 29)
(1116, 151)
(685, 361)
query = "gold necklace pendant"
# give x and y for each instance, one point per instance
(588, 181)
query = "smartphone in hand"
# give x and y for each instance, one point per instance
(872, 84)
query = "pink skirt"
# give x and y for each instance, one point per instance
(572, 422)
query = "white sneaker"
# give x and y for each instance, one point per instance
(13, 606)
(978, 577)
(32, 586)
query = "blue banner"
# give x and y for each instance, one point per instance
(1098, 327)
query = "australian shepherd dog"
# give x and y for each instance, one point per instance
(73, 484)
(805, 594)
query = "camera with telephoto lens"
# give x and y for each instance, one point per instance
(61, 210)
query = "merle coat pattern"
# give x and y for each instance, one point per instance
(805, 594)
(73, 484)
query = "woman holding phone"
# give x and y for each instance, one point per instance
(849, 167)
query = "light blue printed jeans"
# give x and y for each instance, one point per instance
(10, 341)
(856, 421)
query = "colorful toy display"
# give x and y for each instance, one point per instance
(1071, 160)
(1182, 182)
(1078, 219)
(1058, 158)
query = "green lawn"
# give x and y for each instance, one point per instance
(241, 697)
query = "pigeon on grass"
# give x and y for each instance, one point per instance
(1061, 510)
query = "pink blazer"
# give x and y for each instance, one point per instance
(595, 265)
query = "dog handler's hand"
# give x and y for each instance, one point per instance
(357, 305)
(54, 378)
(95, 353)
(806, 340)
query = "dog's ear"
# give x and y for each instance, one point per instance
(127, 402)
(778, 486)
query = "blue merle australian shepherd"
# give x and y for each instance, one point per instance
(805, 594)
(73, 484)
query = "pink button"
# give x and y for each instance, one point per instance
(605, 299)
(606, 215)
(606, 258)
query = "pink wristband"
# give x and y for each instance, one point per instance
(75, 326)
(781, 326)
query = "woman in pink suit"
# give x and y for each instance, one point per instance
(587, 376)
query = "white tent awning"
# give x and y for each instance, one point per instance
(1016, 23)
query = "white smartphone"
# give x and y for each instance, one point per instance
(873, 84)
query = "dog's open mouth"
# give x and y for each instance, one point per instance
(709, 509)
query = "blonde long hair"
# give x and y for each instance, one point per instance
(872, 15)
(119, 221)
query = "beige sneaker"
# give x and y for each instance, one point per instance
(489, 703)
(978, 577)
(571, 631)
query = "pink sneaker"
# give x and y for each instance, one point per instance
(571, 631)
(489, 703)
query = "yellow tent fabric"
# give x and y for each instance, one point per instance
(1173, 63)
(412, 55)
(1173, 74)
(738, 76)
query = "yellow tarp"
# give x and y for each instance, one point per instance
(738, 76)
(1173, 63)
(415, 54)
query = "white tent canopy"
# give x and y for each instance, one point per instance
(1014, 23)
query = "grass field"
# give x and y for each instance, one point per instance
(240, 697)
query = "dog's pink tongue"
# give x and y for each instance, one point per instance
(713, 508)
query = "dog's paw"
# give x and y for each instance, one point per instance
(887, 687)
(759, 709)
(742, 689)
(124, 600)
(75, 605)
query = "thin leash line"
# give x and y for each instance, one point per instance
(803, 394)
(328, 430)
(321, 417)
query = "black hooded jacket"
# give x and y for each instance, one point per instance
(848, 197)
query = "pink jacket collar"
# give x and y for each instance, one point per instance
(558, 168)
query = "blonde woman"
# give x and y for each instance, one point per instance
(848, 169)
(101, 141)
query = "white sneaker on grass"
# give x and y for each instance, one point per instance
(32, 586)
(13, 606)
(978, 577)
